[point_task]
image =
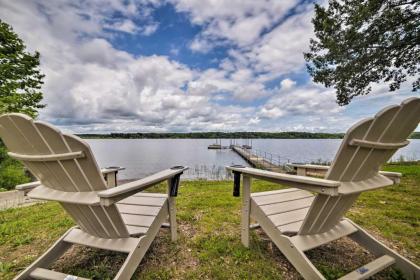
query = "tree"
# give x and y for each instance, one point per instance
(20, 77)
(360, 42)
(20, 84)
(12, 172)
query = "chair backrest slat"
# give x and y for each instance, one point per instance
(54, 157)
(315, 213)
(378, 145)
(17, 142)
(61, 171)
(366, 146)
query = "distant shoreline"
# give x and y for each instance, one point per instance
(223, 135)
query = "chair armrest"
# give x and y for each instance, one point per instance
(25, 188)
(110, 175)
(113, 195)
(111, 169)
(394, 176)
(310, 166)
(302, 169)
(307, 183)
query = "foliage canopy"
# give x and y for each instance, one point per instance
(360, 42)
(20, 76)
(20, 84)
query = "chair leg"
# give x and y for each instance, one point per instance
(285, 244)
(53, 253)
(364, 239)
(297, 257)
(135, 256)
(245, 215)
(172, 218)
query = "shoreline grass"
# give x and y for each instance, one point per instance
(209, 246)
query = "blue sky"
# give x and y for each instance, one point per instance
(182, 65)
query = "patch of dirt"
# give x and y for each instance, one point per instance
(340, 255)
(89, 259)
(176, 256)
(187, 230)
(395, 246)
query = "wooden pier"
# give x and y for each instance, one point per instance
(233, 142)
(217, 146)
(257, 161)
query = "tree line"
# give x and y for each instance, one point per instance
(217, 135)
(223, 135)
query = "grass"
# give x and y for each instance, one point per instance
(209, 245)
(11, 171)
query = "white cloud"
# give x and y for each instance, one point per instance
(265, 38)
(254, 121)
(129, 26)
(271, 112)
(91, 86)
(287, 84)
(126, 25)
(238, 21)
(88, 81)
(243, 31)
(239, 84)
(309, 100)
(200, 45)
(263, 55)
(281, 50)
(150, 29)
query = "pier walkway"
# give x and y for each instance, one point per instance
(259, 161)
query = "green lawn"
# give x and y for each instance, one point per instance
(209, 246)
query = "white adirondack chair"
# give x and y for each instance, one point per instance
(121, 218)
(297, 220)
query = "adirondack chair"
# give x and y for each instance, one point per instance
(120, 218)
(311, 213)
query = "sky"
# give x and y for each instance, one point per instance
(182, 66)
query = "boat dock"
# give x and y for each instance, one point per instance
(233, 142)
(217, 146)
(256, 158)
(259, 161)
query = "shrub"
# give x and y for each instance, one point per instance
(12, 172)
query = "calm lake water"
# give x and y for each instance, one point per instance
(142, 157)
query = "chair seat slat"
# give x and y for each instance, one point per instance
(77, 236)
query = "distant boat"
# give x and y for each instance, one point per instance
(248, 144)
(215, 147)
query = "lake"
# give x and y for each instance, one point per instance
(142, 157)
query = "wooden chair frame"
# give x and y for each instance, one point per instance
(117, 218)
(135, 247)
(294, 247)
(318, 219)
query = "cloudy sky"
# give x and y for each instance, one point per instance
(181, 65)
